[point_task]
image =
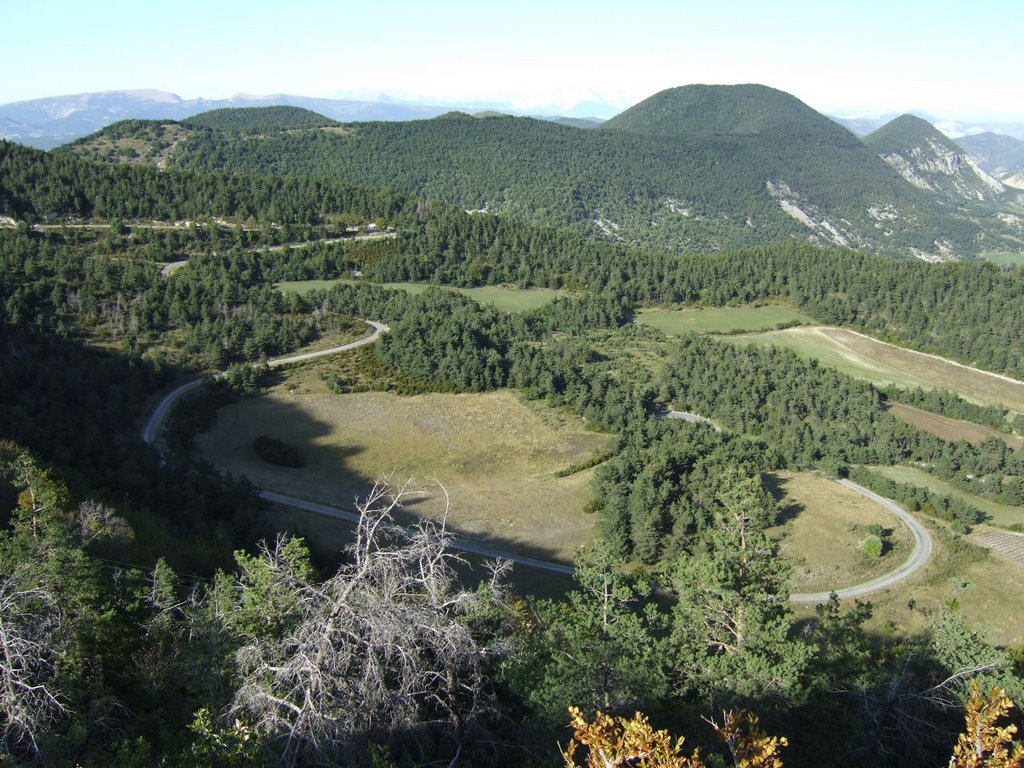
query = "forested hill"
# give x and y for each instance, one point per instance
(761, 167)
(932, 162)
(131, 638)
(261, 118)
(728, 110)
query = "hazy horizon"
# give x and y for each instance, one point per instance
(948, 59)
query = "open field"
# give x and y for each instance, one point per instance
(719, 319)
(495, 455)
(504, 298)
(885, 364)
(1000, 514)
(822, 526)
(328, 536)
(1005, 258)
(950, 429)
(989, 588)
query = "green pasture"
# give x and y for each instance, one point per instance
(675, 322)
(1000, 514)
(1005, 258)
(503, 298)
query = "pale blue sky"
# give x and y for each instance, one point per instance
(953, 59)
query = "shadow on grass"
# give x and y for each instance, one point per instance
(787, 512)
(329, 477)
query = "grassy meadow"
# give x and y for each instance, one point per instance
(720, 319)
(822, 526)
(494, 454)
(1005, 258)
(888, 365)
(503, 298)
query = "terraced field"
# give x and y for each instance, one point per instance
(951, 429)
(1006, 543)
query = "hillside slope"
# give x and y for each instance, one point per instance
(1002, 156)
(930, 161)
(700, 167)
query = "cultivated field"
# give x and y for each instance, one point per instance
(719, 319)
(1005, 258)
(822, 527)
(504, 298)
(1000, 514)
(950, 429)
(495, 455)
(885, 364)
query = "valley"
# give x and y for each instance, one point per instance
(550, 293)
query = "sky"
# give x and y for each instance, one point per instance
(871, 57)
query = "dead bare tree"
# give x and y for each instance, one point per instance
(386, 643)
(29, 624)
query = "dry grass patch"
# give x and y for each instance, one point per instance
(495, 455)
(823, 526)
(989, 590)
(885, 364)
(950, 429)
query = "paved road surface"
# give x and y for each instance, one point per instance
(918, 557)
(461, 544)
(155, 424)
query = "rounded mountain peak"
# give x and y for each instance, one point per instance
(722, 110)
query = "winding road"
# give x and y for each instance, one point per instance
(918, 557)
(459, 543)
(155, 424)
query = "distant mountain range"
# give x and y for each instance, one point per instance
(690, 168)
(50, 122)
(954, 129)
(1002, 156)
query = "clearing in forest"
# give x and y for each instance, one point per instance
(999, 514)
(720, 319)
(822, 527)
(501, 297)
(886, 365)
(1004, 258)
(495, 454)
(950, 429)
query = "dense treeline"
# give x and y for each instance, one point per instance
(918, 499)
(690, 190)
(812, 416)
(39, 184)
(962, 310)
(965, 310)
(384, 659)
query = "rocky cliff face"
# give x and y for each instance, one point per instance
(937, 167)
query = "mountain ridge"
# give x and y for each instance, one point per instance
(931, 161)
(691, 168)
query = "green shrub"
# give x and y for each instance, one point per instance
(872, 546)
(276, 452)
